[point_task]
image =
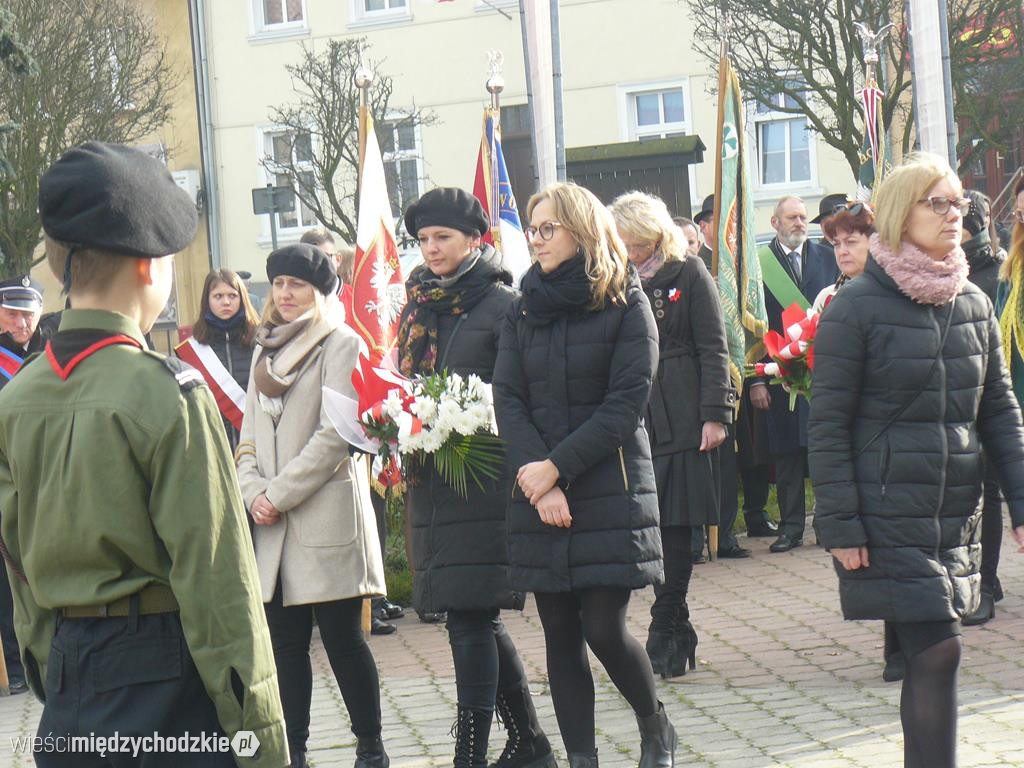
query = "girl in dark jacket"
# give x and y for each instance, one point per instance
(909, 384)
(221, 344)
(578, 354)
(691, 402)
(458, 300)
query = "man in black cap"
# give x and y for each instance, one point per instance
(137, 602)
(705, 219)
(828, 207)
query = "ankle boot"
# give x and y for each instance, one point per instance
(471, 730)
(657, 740)
(986, 610)
(661, 647)
(527, 746)
(370, 753)
(684, 652)
(298, 759)
(583, 761)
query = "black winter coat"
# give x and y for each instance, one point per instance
(459, 552)
(693, 384)
(910, 494)
(984, 263)
(573, 391)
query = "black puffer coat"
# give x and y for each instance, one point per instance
(693, 384)
(911, 495)
(458, 545)
(573, 391)
(984, 262)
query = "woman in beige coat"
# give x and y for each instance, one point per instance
(315, 534)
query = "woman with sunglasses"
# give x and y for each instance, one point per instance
(909, 384)
(578, 353)
(691, 403)
(848, 229)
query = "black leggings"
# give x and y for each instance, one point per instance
(340, 622)
(670, 610)
(991, 529)
(594, 617)
(928, 706)
(485, 658)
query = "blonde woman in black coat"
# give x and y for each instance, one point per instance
(691, 403)
(577, 356)
(909, 384)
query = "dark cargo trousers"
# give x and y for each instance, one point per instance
(133, 677)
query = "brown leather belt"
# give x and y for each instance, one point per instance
(155, 598)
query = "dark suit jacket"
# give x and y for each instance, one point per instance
(787, 430)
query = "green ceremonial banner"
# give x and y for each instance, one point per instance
(735, 263)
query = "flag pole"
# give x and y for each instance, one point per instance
(363, 79)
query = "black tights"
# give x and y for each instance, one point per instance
(928, 706)
(670, 610)
(594, 617)
(485, 658)
(340, 621)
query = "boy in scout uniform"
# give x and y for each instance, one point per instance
(137, 603)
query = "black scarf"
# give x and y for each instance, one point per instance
(548, 296)
(429, 297)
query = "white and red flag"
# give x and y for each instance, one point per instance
(378, 289)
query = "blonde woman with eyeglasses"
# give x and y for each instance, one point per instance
(573, 375)
(909, 386)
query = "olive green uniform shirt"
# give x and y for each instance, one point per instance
(118, 478)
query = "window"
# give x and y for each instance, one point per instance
(783, 143)
(281, 150)
(403, 159)
(279, 15)
(658, 114)
(365, 12)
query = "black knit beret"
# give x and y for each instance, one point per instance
(306, 262)
(118, 199)
(447, 207)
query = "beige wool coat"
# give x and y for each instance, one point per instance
(325, 545)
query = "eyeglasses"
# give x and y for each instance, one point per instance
(1019, 215)
(855, 207)
(545, 230)
(941, 205)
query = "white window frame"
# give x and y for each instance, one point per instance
(267, 176)
(261, 30)
(360, 17)
(630, 131)
(406, 154)
(755, 120)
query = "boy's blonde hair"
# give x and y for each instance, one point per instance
(90, 267)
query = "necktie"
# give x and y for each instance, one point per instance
(794, 261)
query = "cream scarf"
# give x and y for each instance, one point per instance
(283, 351)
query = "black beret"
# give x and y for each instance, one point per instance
(447, 207)
(21, 292)
(306, 262)
(118, 199)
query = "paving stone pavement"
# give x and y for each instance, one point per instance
(782, 681)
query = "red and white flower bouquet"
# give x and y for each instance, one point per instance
(792, 353)
(404, 421)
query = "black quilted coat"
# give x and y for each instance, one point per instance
(910, 493)
(574, 391)
(458, 544)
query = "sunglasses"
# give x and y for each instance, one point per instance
(941, 205)
(855, 207)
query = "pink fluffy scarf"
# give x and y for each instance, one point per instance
(918, 275)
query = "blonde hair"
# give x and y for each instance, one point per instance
(902, 188)
(592, 227)
(270, 317)
(90, 268)
(1016, 254)
(646, 218)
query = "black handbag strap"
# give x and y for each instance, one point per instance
(924, 384)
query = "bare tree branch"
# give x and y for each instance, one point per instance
(103, 75)
(322, 123)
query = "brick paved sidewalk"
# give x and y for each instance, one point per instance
(781, 681)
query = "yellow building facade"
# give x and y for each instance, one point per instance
(629, 68)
